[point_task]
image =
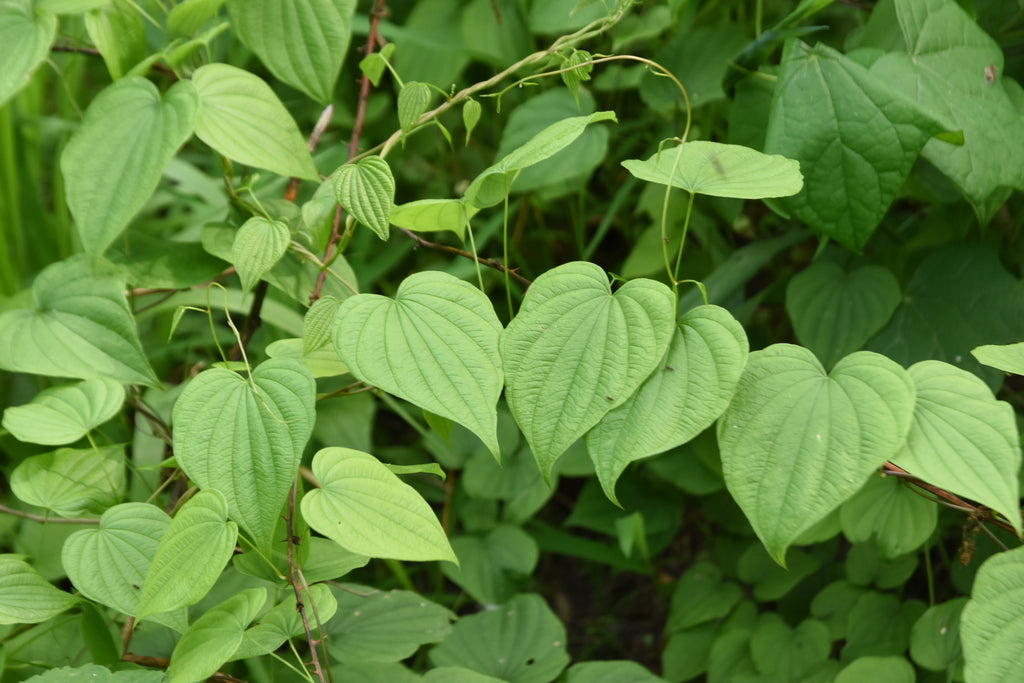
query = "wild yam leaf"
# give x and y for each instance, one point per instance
(430, 215)
(71, 481)
(367, 191)
(991, 624)
(257, 248)
(26, 34)
(211, 640)
(897, 517)
(64, 414)
(26, 597)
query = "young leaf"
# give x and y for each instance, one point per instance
(990, 625)
(191, 555)
(258, 246)
(1008, 358)
(679, 400)
(435, 345)
(797, 442)
(367, 191)
(64, 414)
(577, 73)
(186, 18)
(283, 621)
(323, 362)
(366, 509)
(900, 520)
(243, 119)
(413, 102)
(26, 597)
(318, 323)
(720, 170)
(962, 439)
(245, 439)
(430, 215)
(211, 640)
(302, 42)
(471, 111)
(26, 34)
(81, 327)
(71, 482)
(118, 32)
(575, 351)
(115, 159)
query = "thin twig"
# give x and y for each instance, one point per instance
(489, 262)
(45, 520)
(293, 570)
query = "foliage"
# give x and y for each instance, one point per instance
(579, 341)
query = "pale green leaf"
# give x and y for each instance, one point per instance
(26, 597)
(430, 215)
(245, 439)
(493, 567)
(962, 439)
(118, 32)
(471, 112)
(494, 183)
(435, 345)
(1008, 358)
(322, 362)
(720, 170)
(93, 673)
(188, 16)
(258, 246)
(211, 640)
(190, 556)
(424, 468)
(243, 119)
(797, 442)
(992, 623)
(113, 162)
(26, 35)
(855, 135)
(520, 642)
(283, 621)
(318, 323)
(413, 102)
(366, 509)
(835, 313)
(679, 400)
(577, 62)
(366, 190)
(373, 66)
(72, 481)
(64, 414)
(69, 6)
(303, 42)
(575, 351)
(900, 519)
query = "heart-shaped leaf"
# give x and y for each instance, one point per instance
(835, 313)
(493, 568)
(575, 351)
(283, 621)
(689, 391)
(990, 625)
(898, 518)
(245, 439)
(26, 597)
(258, 246)
(318, 323)
(413, 101)
(797, 442)
(211, 640)
(71, 481)
(435, 345)
(64, 414)
(367, 191)
(26, 34)
(1008, 357)
(962, 439)
(366, 509)
(119, 33)
(430, 215)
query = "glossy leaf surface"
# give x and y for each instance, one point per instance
(64, 414)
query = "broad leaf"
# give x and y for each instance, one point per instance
(614, 671)
(679, 400)
(81, 327)
(25, 596)
(701, 596)
(26, 35)
(64, 414)
(114, 161)
(855, 136)
(890, 669)
(366, 509)
(188, 16)
(900, 519)
(245, 439)
(935, 638)
(243, 119)
(413, 102)
(962, 439)
(302, 42)
(258, 246)
(190, 556)
(214, 637)
(283, 621)
(322, 362)
(430, 215)
(990, 625)
(720, 170)
(575, 351)
(70, 481)
(366, 190)
(835, 313)
(797, 442)
(318, 323)
(782, 653)
(94, 673)
(1008, 358)
(118, 32)
(494, 567)
(435, 345)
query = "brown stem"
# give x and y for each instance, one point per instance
(47, 520)
(294, 579)
(489, 262)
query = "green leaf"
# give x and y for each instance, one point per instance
(323, 362)
(899, 519)
(700, 596)
(679, 400)
(787, 654)
(797, 442)
(430, 215)
(435, 345)
(471, 112)
(720, 170)
(878, 670)
(1008, 358)
(243, 119)
(384, 626)
(413, 102)
(580, 69)
(856, 138)
(26, 35)
(93, 673)
(935, 638)
(283, 621)
(615, 671)
(990, 626)
(114, 161)
(493, 567)
(258, 246)
(367, 191)
(575, 351)
(64, 414)
(520, 642)
(318, 323)
(245, 439)
(456, 674)
(69, 6)
(494, 183)
(26, 597)
(191, 555)
(117, 31)
(366, 509)
(835, 313)
(962, 439)
(210, 641)
(187, 17)
(303, 42)
(71, 482)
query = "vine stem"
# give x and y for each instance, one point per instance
(489, 262)
(47, 520)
